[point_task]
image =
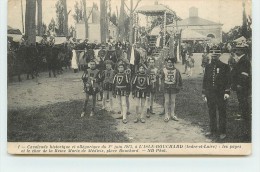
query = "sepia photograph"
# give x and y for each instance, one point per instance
(129, 77)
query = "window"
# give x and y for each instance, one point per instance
(211, 36)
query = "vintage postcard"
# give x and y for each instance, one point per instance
(129, 77)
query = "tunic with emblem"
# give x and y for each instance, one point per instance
(141, 86)
(107, 77)
(154, 78)
(91, 79)
(172, 80)
(121, 84)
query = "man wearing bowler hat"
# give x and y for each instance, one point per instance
(216, 91)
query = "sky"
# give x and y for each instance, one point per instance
(227, 12)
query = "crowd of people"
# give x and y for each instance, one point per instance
(120, 70)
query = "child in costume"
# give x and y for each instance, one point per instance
(128, 72)
(172, 80)
(91, 78)
(107, 78)
(154, 78)
(141, 91)
(121, 89)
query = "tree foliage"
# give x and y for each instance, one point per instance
(113, 19)
(78, 15)
(52, 27)
(61, 14)
(44, 28)
(238, 31)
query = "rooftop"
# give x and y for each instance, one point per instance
(196, 21)
(156, 9)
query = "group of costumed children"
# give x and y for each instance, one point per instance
(146, 82)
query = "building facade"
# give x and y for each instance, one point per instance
(211, 30)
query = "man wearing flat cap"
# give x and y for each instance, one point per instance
(241, 82)
(216, 91)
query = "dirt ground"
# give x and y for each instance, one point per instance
(68, 87)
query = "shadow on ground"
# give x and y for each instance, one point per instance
(61, 122)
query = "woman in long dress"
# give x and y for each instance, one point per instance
(74, 62)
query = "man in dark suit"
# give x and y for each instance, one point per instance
(241, 81)
(216, 91)
(111, 54)
(102, 54)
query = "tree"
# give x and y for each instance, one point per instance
(30, 29)
(85, 18)
(113, 19)
(103, 13)
(78, 16)
(95, 5)
(39, 17)
(122, 21)
(62, 17)
(52, 27)
(44, 28)
(232, 34)
(65, 13)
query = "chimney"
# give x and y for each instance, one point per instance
(193, 12)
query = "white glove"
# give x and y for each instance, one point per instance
(204, 98)
(226, 96)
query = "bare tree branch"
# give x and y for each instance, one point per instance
(136, 5)
(126, 13)
(90, 12)
(127, 7)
